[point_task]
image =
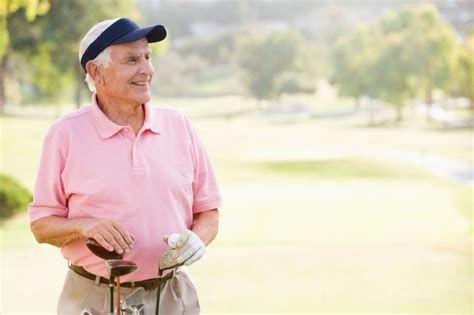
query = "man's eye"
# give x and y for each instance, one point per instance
(147, 57)
(131, 60)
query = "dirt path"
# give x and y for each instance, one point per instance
(454, 170)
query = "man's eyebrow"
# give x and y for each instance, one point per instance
(130, 54)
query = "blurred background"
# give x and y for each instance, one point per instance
(341, 133)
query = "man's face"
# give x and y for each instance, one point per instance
(129, 74)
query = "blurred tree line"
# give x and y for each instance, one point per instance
(30, 9)
(404, 54)
(408, 52)
(234, 47)
(39, 45)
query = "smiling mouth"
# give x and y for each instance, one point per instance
(143, 83)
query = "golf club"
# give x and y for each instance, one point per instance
(133, 302)
(100, 251)
(115, 269)
(167, 261)
(91, 311)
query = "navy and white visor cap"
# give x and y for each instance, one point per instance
(116, 31)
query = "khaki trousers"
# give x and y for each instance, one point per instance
(178, 296)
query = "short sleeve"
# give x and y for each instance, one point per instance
(206, 195)
(49, 198)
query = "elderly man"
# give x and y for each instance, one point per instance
(127, 175)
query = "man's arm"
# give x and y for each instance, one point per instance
(206, 225)
(59, 231)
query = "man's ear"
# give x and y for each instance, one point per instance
(95, 72)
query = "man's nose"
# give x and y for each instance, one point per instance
(147, 68)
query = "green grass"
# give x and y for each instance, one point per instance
(311, 223)
(342, 168)
(21, 143)
(463, 113)
(342, 279)
(15, 234)
(463, 199)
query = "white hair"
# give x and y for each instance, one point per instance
(103, 58)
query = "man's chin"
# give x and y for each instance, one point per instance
(143, 98)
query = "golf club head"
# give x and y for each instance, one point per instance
(119, 267)
(100, 251)
(133, 300)
(168, 260)
(91, 311)
(135, 309)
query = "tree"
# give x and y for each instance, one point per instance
(464, 69)
(355, 57)
(51, 50)
(418, 47)
(32, 9)
(401, 55)
(263, 59)
(395, 81)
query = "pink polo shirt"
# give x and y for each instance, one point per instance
(151, 183)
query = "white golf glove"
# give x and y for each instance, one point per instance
(188, 246)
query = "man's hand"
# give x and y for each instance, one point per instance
(108, 233)
(60, 231)
(188, 246)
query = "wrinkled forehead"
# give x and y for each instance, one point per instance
(137, 47)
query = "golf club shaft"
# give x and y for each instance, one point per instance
(112, 287)
(118, 296)
(158, 293)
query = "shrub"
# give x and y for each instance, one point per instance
(14, 198)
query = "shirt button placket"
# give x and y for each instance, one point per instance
(137, 162)
(127, 134)
(135, 157)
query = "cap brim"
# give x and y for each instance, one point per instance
(153, 34)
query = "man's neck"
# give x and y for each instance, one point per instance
(122, 113)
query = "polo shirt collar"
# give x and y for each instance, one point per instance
(150, 122)
(108, 128)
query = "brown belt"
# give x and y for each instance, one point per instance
(149, 284)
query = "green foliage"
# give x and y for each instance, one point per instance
(51, 50)
(354, 59)
(31, 8)
(263, 59)
(4, 37)
(418, 48)
(463, 84)
(403, 54)
(13, 197)
(293, 83)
